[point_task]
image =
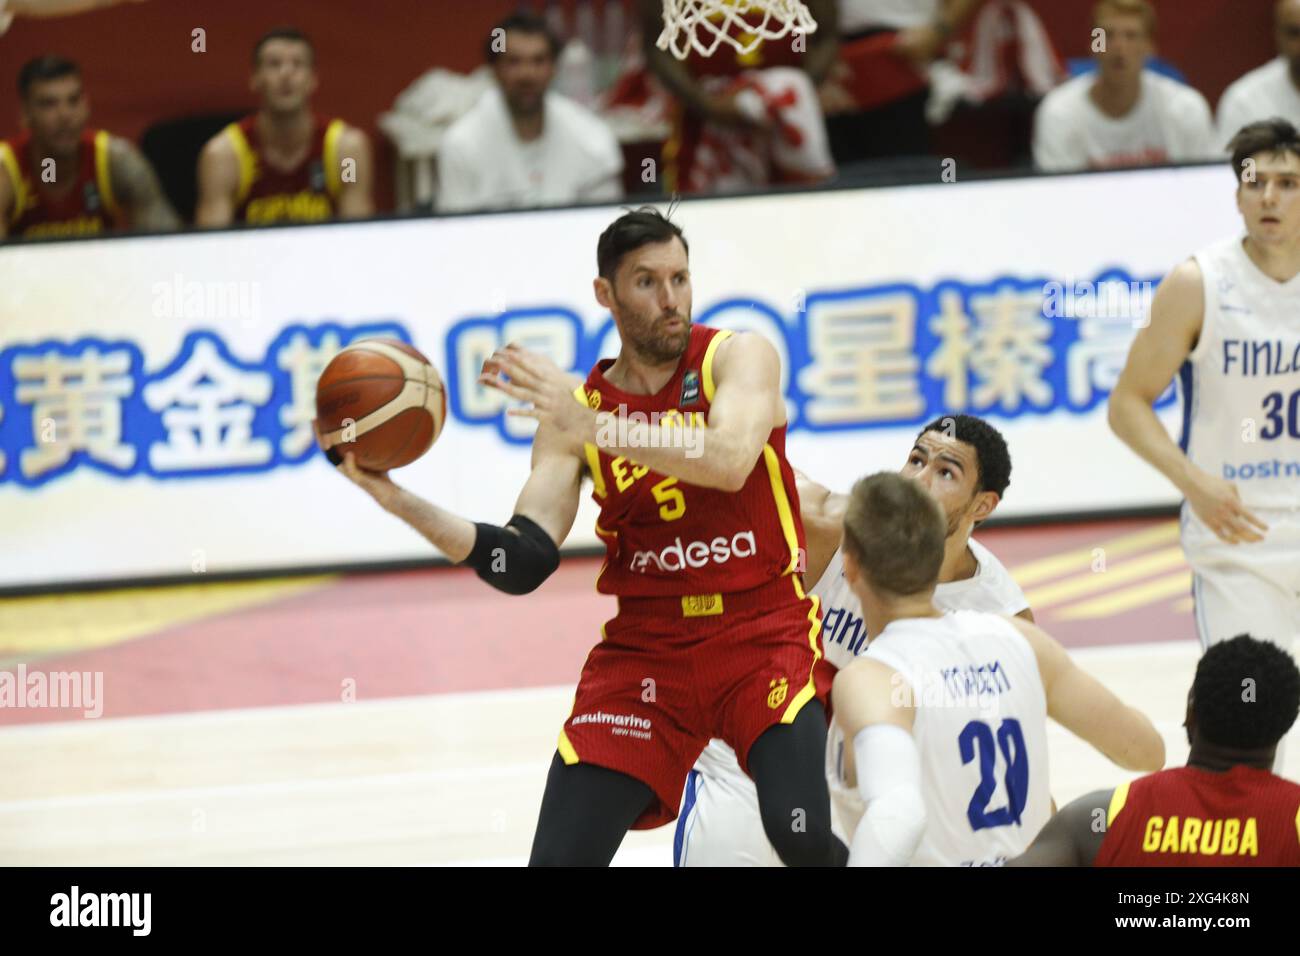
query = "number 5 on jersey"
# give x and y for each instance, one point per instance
(672, 503)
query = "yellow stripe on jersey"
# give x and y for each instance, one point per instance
(782, 506)
(593, 465)
(814, 628)
(1297, 823)
(593, 456)
(605, 564)
(567, 753)
(706, 367)
(247, 161)
(330, 157)
(10, 163)
(103, 179)
(1117, 801)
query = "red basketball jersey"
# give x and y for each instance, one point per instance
(307, 193)
(664, 537)
(88, 208)
(1192, 817)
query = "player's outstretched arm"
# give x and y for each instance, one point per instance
(873, 706)
(1084, 706)
(823, 524)
(746, 406)
(1158, 351)
(1071, 837)
(516, 558)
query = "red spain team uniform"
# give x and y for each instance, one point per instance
(307, 193)
(87, 209)
(714, 635)
(1192, 817)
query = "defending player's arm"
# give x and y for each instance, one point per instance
(138, 190)
(746, 406)
(218, 177)
(1159, 350)
(1071, 837)
(822, 512)
(872, 706)
(355, 198)
(1084, 706)
(516, 558)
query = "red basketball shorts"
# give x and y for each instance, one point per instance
(673, 672)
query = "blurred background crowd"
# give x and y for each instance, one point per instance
(154, 115)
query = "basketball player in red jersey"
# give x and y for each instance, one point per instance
(59, 177)
(284, 163)
(1226, 807)
(697, 104)
(714, 635)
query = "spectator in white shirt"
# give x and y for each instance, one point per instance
(1270, 90)
(1123, 114)
(521, 145)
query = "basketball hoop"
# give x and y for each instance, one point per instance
(703, 25)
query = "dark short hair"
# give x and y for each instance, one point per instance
(1274, 135)
(631, 231)
(991, 454)
(1246, 693)
(47, 67)
(521, 22)
(284, 33)
(895, 531)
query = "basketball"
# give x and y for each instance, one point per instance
(382, 400)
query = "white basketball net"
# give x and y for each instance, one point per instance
(703, 25)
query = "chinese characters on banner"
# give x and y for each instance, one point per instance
(875, 356)
(92, 402)
(878, 356)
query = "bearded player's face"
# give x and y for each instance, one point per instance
(948, 469)
(651, 301)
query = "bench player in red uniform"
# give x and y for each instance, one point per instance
(1226, 807)
(284, 163)
(714, 635)
(60, 177)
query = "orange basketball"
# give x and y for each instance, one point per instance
(381, 400)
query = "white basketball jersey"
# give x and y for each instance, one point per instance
(1240, 385)
(844, 633)
(844, 636)
(981, 730)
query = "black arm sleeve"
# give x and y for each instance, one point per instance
(514, 561)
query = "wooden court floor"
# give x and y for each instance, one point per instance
(410, 718)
